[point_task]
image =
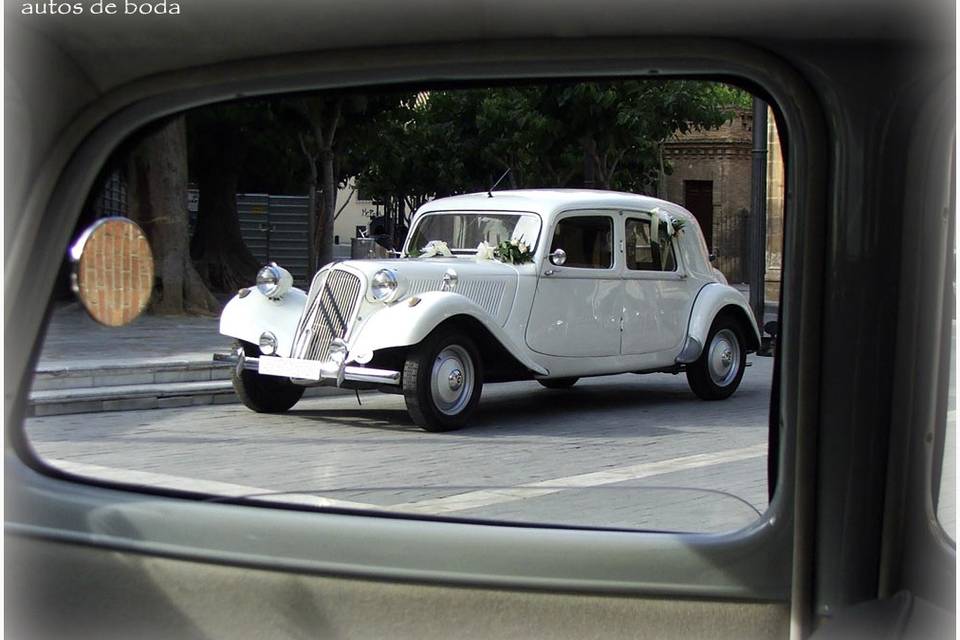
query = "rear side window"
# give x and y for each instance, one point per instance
(587, 241)
(645, 253)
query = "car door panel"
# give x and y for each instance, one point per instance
(576, 310)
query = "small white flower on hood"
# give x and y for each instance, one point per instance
(514, 242)
(523, 247)
(436, 248)
(484, 251)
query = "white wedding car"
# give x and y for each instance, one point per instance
(608, 283)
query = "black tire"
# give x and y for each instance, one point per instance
(264, 394)
(447, 355)
(558, 383)
(724, 340)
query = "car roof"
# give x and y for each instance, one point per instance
(550, 202)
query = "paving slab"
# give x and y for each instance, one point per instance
(74, 340)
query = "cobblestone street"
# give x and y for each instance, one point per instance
(622, 451)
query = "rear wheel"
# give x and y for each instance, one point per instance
(716, 374)
(442, 380)
(558, 383)
(264, 394)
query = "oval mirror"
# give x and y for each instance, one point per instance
(558, 257)
(112, 271)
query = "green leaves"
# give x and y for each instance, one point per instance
(513, 252)
(445, 142)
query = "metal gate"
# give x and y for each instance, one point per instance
(276, 229)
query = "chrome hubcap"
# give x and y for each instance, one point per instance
(723, 358)
(451, 380)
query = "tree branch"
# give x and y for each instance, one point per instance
(353, 190)
(312, 157)
(334, 123)
(616, 163)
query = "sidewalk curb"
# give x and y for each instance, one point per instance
(145, 397)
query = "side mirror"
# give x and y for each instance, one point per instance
(558, 257)
(112, 271)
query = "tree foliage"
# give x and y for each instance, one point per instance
(403, 148)
(606, 135)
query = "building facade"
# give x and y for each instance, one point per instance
(710, 175)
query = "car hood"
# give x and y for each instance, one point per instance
(434, 268)
(491, 285)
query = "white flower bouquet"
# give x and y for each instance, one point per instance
(436, 248)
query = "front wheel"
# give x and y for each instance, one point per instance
(442, 380)
(716, 374)
(264, 394)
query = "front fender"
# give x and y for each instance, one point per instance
(246, 318)
(711, 299)
(400, 325)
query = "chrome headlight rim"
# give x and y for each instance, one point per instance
(273, 281)
(384, 286)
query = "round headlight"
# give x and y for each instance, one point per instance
(383, 285)
(273, 281)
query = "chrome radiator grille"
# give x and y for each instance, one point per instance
(331, 307)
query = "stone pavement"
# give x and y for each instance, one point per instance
(154, 362)
(620, 451)
(74, 339)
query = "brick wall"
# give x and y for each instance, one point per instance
(114, 277)
(721, 156)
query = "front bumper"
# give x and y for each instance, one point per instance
(311, 371)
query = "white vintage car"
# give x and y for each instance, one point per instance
(550, 285)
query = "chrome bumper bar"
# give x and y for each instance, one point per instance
(330, 372)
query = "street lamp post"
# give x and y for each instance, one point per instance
(756, 270)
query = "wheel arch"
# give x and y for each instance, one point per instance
(499, 363)
(247, 316)
(401, 326)
(744, 323)
(713, 301)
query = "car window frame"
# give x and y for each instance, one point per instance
(615, 238)
(751, 563)
(418, 220)
(677, 273)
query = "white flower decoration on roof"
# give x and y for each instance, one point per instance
(672, 225)
(485, 251)
(436, 248)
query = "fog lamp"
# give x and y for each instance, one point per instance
(268, 343)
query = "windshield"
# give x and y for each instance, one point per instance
(463, 231)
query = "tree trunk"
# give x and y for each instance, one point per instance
(328, 208)
(157, 196)
(217, 248)
(589, 162)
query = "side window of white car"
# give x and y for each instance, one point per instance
(645, 253)
(587, 241)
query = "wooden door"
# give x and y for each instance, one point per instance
(698, 199)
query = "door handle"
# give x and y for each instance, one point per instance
(549, 272)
